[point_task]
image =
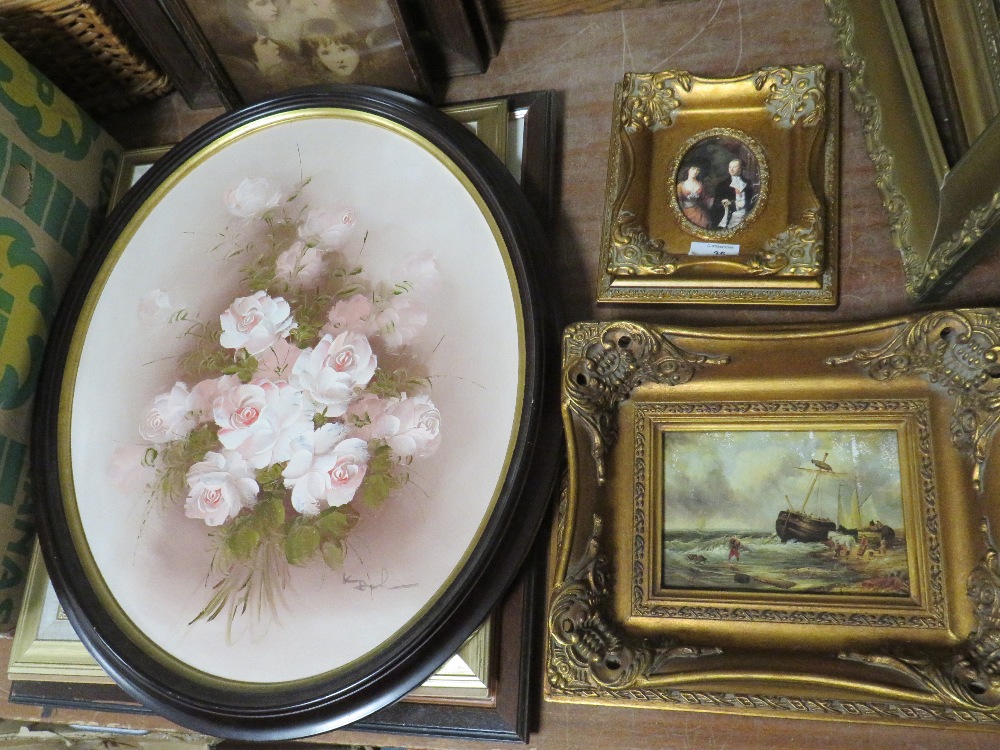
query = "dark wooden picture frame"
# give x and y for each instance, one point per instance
(333, 699)
(251, 57)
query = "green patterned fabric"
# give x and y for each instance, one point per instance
(57, 167)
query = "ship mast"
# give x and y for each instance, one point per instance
(822, 467)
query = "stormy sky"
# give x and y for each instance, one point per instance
(738, 480)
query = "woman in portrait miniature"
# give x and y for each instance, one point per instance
(691, 196)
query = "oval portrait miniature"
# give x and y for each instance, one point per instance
(720, 183)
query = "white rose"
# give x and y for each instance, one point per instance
(300, 264)
(400, 321)
(326, 470)
(220, 485)
(328, 229)
(252, 197)
(410, 426)
(329, 372)
(260, 419)
(171, 416)
(351, 314)
(254, 323)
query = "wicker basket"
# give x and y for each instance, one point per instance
(86, 48)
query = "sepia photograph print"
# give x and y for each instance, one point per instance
(268, 46)
(784, 511)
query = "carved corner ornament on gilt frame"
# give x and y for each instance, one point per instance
(939, 180)
(723, 190)
(805, 538)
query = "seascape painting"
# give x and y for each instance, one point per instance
(784, 511)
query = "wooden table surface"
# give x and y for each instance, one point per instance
(582, 57)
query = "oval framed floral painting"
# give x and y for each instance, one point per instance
(295, 434)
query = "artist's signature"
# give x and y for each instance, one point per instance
(367, 584)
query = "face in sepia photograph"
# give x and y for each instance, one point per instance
(270, 46)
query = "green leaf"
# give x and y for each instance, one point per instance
(336, 523)
(380, 460)
(269, 515)
(376, 489)
(334, 554)
(301, 543)
(271, 475)
(243, 542)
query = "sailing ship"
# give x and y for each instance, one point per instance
(861, 520)
(802, 526)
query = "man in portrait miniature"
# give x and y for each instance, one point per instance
(733, 199)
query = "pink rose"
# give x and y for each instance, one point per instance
(252, 197)
(205, 392)
(260, 419)
(275, 362)
(330, 372)
(328, 229)
(254, 323)
(410, 426)
(399, 322)
(363, 414)
(351, 314)
(128, 471)
(326, 470)
(155, 307)
(220, 485)
(300, 264)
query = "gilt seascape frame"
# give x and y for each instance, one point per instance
(170, 665)
(804, 538)
(466, 697)
(936, 170)
(723, 190)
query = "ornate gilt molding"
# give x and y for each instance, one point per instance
(970, 677)
(943, 256)
(587, 649)
(650, 99)
(634, 252)
(796, 94)
(798, 251)
(960, 350)
(608, 363)
(867, 105)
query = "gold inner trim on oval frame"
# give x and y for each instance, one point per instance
(752, 149)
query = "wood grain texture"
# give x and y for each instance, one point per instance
(514, 10)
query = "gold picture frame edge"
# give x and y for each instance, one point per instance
(929, 690)
(939, 216)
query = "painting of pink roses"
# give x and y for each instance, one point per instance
(283, 426)
(318, 381)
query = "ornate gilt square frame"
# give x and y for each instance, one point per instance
(674, 232)
(922, 653)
